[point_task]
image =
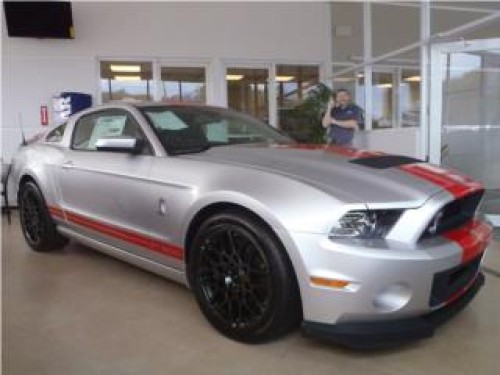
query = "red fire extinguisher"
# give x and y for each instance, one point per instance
(44, 115)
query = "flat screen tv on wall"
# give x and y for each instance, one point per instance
(39, 19)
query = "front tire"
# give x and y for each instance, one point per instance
(37, 225)
(243, 279)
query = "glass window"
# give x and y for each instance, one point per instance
(247, 91)
(126, 80)
(194, 129)
(409, 98)
(56, 134)
(293, 85)
(104, 124)
(183, 85)
(382, 93)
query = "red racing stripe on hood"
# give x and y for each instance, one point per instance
(472, 237)
(457, 184)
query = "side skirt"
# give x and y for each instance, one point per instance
(115, 252)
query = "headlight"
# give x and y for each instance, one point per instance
(365, 224)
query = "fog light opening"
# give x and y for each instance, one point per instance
(392, 298)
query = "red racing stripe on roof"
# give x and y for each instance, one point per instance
(121, 234)
(348, 152)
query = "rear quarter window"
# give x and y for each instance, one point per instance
(56, 135)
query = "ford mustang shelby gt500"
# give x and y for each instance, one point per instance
(363, 248)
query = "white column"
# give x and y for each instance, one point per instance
(156, 89)
(216, 84)
(367, 56)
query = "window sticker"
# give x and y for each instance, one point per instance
(166, 120)
(106, 127)
(217, 131)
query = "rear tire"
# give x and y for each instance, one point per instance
(243, 279)
(37, 225)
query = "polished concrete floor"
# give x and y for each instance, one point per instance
(80, 312)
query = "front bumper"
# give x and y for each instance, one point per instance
(387, 282)
(380, 334)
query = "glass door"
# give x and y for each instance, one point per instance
(465, 97)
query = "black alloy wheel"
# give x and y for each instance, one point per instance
(243, 280)
(37, 225)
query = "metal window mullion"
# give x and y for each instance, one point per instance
(396, 98)
(368, 69)
(425, 34)
(436, 110)
(272, 97)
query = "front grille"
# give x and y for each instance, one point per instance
(453, 215)
(447, 283)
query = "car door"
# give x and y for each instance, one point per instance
(104, 193)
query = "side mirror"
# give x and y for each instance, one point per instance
(122, 144)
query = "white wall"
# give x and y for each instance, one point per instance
(34, 69)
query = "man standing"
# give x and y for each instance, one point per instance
(342, 118)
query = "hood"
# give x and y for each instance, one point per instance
(330, 171)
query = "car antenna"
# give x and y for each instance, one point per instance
(23, 143)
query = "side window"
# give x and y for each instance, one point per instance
(56, 134)
(104, 124)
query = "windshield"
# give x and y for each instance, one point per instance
(194, 129)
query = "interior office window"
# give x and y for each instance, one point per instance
(247, 91)
(293, 84)
(382, 94)
(183, 84)
(126, 80)
(409, 98)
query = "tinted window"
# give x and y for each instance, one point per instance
(191, 129)
(104, 124)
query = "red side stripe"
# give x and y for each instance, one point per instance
(457, 184)
(126, 235)
(472, 237)
(57, 212)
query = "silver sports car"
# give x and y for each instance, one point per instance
(362, 248)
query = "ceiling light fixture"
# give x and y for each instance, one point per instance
(413, 79)
(342, 79)
(125, 68)
(127, 78)
(234, 77)
(284, 78)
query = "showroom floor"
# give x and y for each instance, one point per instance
(80, 312)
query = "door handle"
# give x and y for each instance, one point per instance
(67, 164)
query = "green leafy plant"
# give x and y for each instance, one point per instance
(304, 121)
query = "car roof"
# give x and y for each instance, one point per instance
(142, 104)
